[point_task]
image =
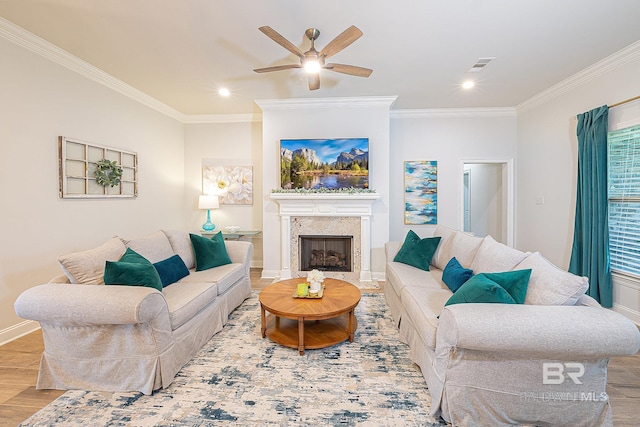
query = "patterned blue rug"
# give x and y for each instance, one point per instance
(239, 378)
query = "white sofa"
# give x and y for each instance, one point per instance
(131, 338)
(507, 364)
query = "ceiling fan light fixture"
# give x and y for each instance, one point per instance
(312, 66)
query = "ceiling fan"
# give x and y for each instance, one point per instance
(312, 60)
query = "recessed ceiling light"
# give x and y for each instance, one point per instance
(223, 91)
(468, 84)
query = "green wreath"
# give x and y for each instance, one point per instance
(108, 173)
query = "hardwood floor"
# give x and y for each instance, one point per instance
(19, 362)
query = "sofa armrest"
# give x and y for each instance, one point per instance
(391, 249)
(239, 251)
(554, 332)
(85, 305)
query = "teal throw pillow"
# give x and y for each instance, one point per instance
(132, 274)
(171, 270)
(209, 253)
(455, 275)
(417, 252)
(505, 288)
(134, 257)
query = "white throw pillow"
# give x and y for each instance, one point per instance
(87, 267)
(549, 285)
(181, 244)
(464, 247)
(444, 247)
(494, 257)
(154, 247)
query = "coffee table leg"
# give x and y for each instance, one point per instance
(351, 331)
(263, 322)
(301, 335)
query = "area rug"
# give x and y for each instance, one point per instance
(239, 378)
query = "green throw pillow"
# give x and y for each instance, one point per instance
(417, 252)
(134, 257)
(171, 270)
(209, 252)
(132, 274)
(509, 287)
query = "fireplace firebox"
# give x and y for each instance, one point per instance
(325, 253)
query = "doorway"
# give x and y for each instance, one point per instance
(487, 199)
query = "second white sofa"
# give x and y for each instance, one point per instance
(543, 362)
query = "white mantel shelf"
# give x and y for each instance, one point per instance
(325, 204)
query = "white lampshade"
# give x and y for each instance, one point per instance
(208, 202)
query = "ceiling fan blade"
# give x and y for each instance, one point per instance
(314, 81)
(349, 69)
(276, 37)
(343, 40)
(277, 68)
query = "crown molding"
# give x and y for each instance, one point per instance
(308, 103)
(27, 40)
(453, 112)
(616, 60)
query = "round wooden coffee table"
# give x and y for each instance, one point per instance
(308, 323)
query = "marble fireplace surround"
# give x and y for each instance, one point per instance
(326, 214)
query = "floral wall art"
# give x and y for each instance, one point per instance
(234, 184)
(420, 192)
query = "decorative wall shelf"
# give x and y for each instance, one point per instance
(77, 170)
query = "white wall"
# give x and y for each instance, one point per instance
(326, 118)
(225, 144)
(450, 138)
(40, 101)
(547, 153)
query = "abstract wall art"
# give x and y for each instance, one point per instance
(421, 192)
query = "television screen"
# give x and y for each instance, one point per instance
(324, 163)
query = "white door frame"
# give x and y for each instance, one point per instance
(510, 192)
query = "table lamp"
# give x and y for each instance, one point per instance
(208, 203)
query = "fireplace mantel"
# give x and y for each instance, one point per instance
(325, 205)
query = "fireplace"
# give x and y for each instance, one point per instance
(329, 215)
(325, 253)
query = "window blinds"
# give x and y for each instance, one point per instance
(624, 199)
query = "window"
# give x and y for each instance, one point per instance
(624, 199)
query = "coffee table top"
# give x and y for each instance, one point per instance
(339, 297)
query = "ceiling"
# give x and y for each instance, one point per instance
(182, 51)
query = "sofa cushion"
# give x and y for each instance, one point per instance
(154, 247)
(551, 286)
(403, 275)
(416, 251)
(423, 305)
(463, 246)
(509, 287)
(440, 257)
(132, 274)
(181, 245)
(185, 300)
(209, 253)
(455, 275)
(87, 267)
(171, 270)
(493, 256)
(224, 276)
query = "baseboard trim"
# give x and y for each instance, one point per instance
(19, 330)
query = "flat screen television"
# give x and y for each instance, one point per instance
(324, 163)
